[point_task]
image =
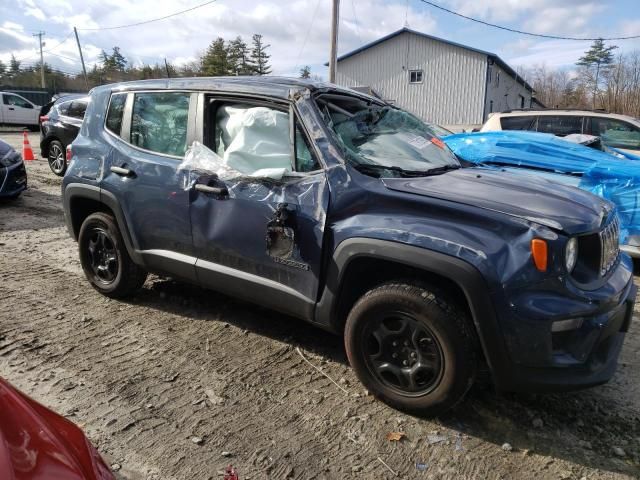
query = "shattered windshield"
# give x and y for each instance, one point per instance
(384, 141)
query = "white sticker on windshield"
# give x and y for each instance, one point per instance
(417, 141)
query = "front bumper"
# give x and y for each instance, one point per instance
(543, 360)
(13, 180)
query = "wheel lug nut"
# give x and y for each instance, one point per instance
(406, 343)
(405, 363)
(394, 355)
(394, 344)
(413, 355)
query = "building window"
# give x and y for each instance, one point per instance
(497, 79)
(521, 101)
(489, 74)
(490, 106)
(415, 76)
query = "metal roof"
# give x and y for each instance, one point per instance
(491, 55)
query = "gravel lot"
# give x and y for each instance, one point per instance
(179, 382)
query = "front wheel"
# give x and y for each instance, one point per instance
(104, 257)
(411, 348)
(56, 158)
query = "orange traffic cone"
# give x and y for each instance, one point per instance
(27, 151)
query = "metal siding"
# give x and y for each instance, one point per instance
(505, 96)
(452, 92)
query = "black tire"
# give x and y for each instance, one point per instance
(440, 353)
(56, 156)
(105, 260)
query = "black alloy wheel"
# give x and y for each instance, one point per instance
(403, 354)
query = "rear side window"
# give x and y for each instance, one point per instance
(616, 133)
(63, 108)
(114, 115)
(159, 122)
(77, 109)
(561, 125)
(525, 122)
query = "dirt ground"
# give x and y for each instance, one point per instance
(178, 382)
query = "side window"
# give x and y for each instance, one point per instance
(561, 125)
(114, 115)
(616, 133)
(305, 159)
(63, 108)
(77, 109)
(524, 122)
(15, 101)
(250, 138)
(159, 122)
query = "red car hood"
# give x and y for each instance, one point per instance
(38, 444)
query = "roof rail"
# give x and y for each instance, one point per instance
(533, 109)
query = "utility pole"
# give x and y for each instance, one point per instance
(333, 60)
(166, 66)
(84, 69)
(39, 35)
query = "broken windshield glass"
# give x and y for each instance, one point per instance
(382, 140)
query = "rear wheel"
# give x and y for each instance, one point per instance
(104, 257)
(411, 348)
(56, 158)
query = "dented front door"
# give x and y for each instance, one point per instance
(259, 237)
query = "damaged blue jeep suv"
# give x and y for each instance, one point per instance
(334, 207)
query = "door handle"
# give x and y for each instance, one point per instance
(201, 187)
(125, 172)
(11, 108)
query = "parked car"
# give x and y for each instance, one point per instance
(18, 111)
(13, 176)
(332, 206)
(616, 131)
(60, 122)
(615, 177)
(38, 444)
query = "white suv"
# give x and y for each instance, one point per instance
(616, 131)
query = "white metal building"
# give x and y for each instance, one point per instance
(438, 80)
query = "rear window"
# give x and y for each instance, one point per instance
(561, 125)
(77, 109)
(63, 108)
(525, 122)
(114, 115)
(616, 133)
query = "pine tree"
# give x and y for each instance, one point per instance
(14, 65)
(595, 60)
(259, 56)
(305, 72)
(117, 59)
(214, 60)
(238, 57)
(3, 68)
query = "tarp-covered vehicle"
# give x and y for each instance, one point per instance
(616, 178)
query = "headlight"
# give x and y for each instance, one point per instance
(571, 254)
(9, 159)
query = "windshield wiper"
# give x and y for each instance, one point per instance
(376, 169)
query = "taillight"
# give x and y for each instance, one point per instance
(44, 118)
(68, 153)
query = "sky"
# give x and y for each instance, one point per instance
(298, 31)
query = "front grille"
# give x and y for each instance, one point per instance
(609, 245)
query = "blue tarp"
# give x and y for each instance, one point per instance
(610, 177)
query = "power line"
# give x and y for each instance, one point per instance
(152, 20)
(513, 30)
(306, 37)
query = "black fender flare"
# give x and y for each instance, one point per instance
(93, 192)
(465, 275)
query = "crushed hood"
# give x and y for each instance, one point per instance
(525, 196)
